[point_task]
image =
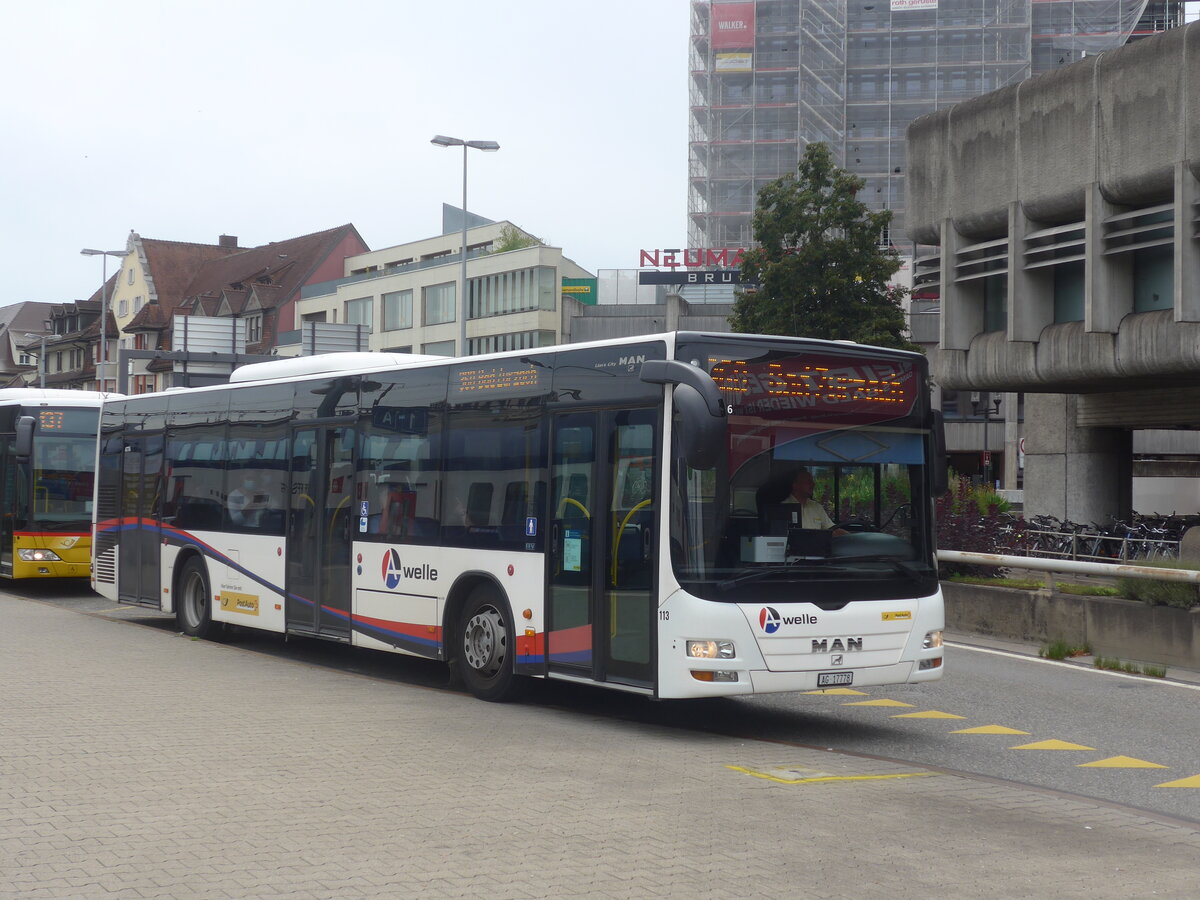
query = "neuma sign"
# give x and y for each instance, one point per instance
(693, 258)
(731, 26)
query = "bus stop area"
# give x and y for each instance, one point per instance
(135, 762)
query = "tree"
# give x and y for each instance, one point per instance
(513, 238)
(819, 267)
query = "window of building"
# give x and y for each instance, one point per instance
(143, 384)
(131, 276)
(123, 308)
(438, 303)
(360, 311)
(253, 329)
(510, 292)
(138, 303)
(24, 359)
(517, 340)
(438, 348)
(58, 361)
(1068, 292)
(141, 341)
(397, 310)
(1153, 278)
(995, 303)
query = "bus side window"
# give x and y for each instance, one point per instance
(479, 504)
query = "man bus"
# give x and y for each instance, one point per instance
(609, 513)
(47, 461)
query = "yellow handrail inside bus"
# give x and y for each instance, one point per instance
(573, 502)
(620, 533)
(333, 519)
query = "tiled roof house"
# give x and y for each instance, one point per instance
(260, 285)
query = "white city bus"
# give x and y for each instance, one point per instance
(613, 513)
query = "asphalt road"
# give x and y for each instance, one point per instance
(1127, 740)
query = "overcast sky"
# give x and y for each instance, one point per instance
(268, 119)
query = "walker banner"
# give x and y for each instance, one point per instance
(732, 26)
(901, 5)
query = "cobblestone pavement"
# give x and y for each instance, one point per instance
(140, 763)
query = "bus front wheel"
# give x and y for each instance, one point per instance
(193, 609)
(486, 648)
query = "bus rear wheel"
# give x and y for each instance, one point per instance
(193, 604)
(486, 648)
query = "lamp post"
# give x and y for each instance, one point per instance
(46, 325)
(490, 146)
(104, 255)
(990, 409)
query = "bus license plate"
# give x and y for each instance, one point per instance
(829, 679)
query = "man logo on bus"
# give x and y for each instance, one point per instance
(769, 620)
(391, 569)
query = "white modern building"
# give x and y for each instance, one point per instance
(407, 295)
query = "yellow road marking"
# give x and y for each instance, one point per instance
(815, 779)
(1121, 762)
(844, 691)
(928, 714)
(1051, 745)
(876, 703)
(1193, 782)
(989, 729)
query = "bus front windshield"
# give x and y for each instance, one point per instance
(63, 469)
(822, 493)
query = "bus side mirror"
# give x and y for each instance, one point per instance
(701, 434)
(701, 419)
(939, 477)
(24, 443)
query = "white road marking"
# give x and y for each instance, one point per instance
(1143, 679)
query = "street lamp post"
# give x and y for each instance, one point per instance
(490, 146)
(46, 325)
(989, 409)
(104, 255)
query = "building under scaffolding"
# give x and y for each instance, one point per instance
(769, 77)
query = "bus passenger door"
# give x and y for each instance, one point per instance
(600, 616)
(138, 578)
(318, 532)
(574, 514)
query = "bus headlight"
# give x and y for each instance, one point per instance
(711, 649)
(933, 639)
(38, 556)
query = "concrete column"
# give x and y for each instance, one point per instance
(1030, 292)
(1012, 435)
(1081, 474)
(962, 304)
(1187, 248)
(1108, 280)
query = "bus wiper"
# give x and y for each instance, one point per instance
(806, 567)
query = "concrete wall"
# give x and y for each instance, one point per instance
(1121, 119)
(1127, 629)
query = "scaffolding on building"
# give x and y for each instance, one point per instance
(768, 77)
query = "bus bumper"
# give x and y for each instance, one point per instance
(34, 556)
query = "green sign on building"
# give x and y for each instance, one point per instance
(582, 289)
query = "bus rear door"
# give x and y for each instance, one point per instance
(318, 531)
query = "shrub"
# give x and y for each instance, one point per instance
(1182, 595)
(974, 518)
